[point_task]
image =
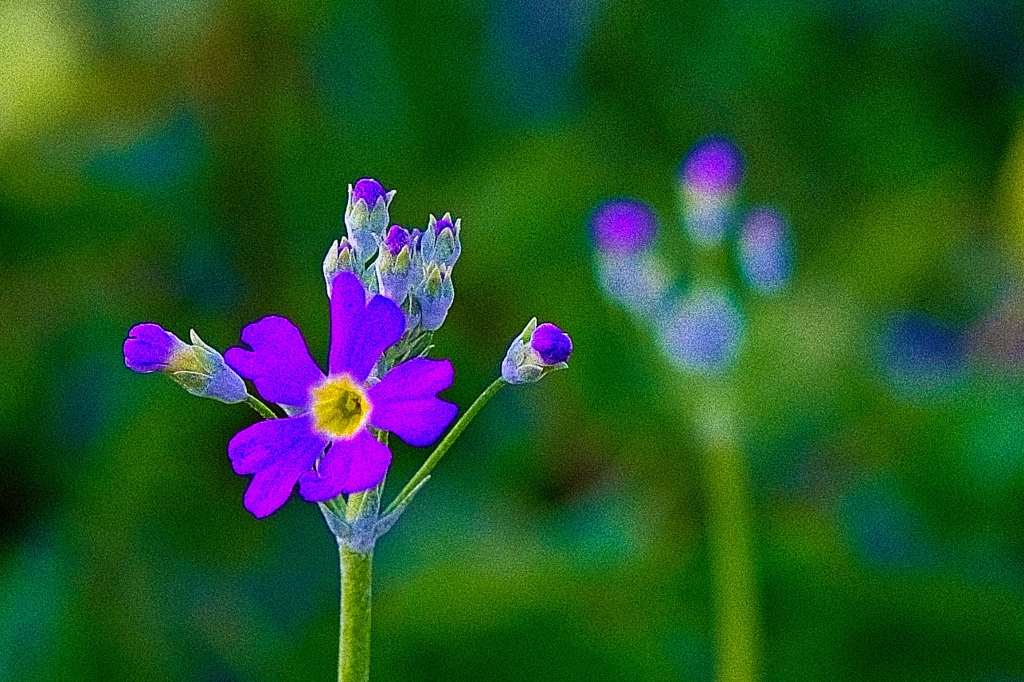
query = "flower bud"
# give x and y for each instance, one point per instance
(197, 368)
(341, 257)
(766, 250)
(536, 352)
(623, 227)
(440, 242)
(629, 271)
(394, 264)
(703, 331)
(366, 215)
(435, 295)
(709, 177)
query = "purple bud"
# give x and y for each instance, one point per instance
(148, 348)
(765, 251)
(397, 239)
(623, 226)
(551, 343)
(714, 165)
(444, 222)
(368, 190)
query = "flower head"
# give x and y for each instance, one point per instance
(714, 165)
(536, 352)
(326, 445)
(197, 368)
(623, 226)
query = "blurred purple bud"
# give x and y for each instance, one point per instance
(397, 239)
(714, 165)
(623, 226)
(369, 190)
(766, 250)
(551, 343)
(703, 331)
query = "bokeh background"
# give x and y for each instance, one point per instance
(186, 162)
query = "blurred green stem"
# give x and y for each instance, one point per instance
(738, 641)
(442, 448)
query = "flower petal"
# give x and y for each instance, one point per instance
(278, 451)
(360, 332)
(278, 363)
(404, 402)
(350, 466)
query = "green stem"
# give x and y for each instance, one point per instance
(442, 448)
(730, 539)
(260, 406)
(354, 626)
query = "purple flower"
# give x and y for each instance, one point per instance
(325, 445)
(368, 190)
(551, 343)
(535, 352)
(149, 348)
(623, 226)
(714, 165)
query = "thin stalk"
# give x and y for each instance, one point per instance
(354, 621)
(730, 538)
(260, 407)
(443, 446)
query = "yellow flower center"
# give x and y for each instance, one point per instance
(339, 406)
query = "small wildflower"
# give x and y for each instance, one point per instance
(765, 250)
(197, 368)
(536, 352)
(440, 242)
(366, 215)
(326, 445)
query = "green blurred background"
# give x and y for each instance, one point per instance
(186, 162)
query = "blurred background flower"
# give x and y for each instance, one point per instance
(188, 162)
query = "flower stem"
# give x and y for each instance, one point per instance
(354, 625)
(260, 406)
(730, 538)
(449, 439)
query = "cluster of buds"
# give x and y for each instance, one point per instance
(700, 327)
(411, 267)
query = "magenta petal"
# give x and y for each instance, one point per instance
(278, 451)
(278, 363)
(350, 466)
(360, 332)
(404, 402)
